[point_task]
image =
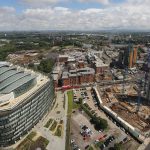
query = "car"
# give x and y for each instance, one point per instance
(108, 140)
(96, 141)
(95, 104)
(125, 139)
(105, 135)
(74, 145)
(72, 141)
(87, 146)
(112, 138)
(99, 131)
(77, 148)
(106, 143)
(102, 146)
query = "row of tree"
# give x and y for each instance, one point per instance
(99, 123)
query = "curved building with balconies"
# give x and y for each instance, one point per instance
(25, 96)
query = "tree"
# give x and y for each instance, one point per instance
(46, 65)
(103, 123)
(81, 100)
(31, 65)
(100, 123)
(118, 146)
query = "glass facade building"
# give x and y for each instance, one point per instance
(24, 112)
(18, 121)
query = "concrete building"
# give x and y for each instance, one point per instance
(56, 73)
(97, 63)
(25, 96)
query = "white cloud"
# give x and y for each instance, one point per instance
(128, 15)
(41, 1)
(104, 2)
(49, 2)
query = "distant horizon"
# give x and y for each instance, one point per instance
(59, 30)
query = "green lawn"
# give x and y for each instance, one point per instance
(52, 128)
(90, 148)
(48, 123)
(31, 135)
(70, 107)
(58, 131)
(29, 144)
(70, 102)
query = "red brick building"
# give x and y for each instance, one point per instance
(100, 67)
(79, 76)
(63, 58)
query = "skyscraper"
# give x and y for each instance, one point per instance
(130, 57)
(148, 87)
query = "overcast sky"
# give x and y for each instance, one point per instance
(74, 14)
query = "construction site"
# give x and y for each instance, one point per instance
(129, 105)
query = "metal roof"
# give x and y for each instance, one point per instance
(3, 69)
(7, 74)
(11, 79)
(17, 84)
(3, 64)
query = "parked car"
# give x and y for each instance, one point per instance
(72, 141)
(87, 146)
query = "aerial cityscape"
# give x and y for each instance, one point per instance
(74, 75)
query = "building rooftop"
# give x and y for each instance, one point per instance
(78, 72)
(16, 84)
(62, 56)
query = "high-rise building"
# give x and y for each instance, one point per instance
(130, 57)
(25, 96)
(148, 91)
(148, 74)
(135, 51)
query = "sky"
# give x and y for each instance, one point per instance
(27, 15)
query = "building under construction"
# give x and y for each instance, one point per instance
(125, 108)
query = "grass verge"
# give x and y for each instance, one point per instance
(52, 128)
(29, 144)
(70, 107)
(48, 123)
(58, 131)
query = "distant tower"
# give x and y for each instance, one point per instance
(135, 55)
(128, 55)
(130, 64)
(148, 91)
(148, 78)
